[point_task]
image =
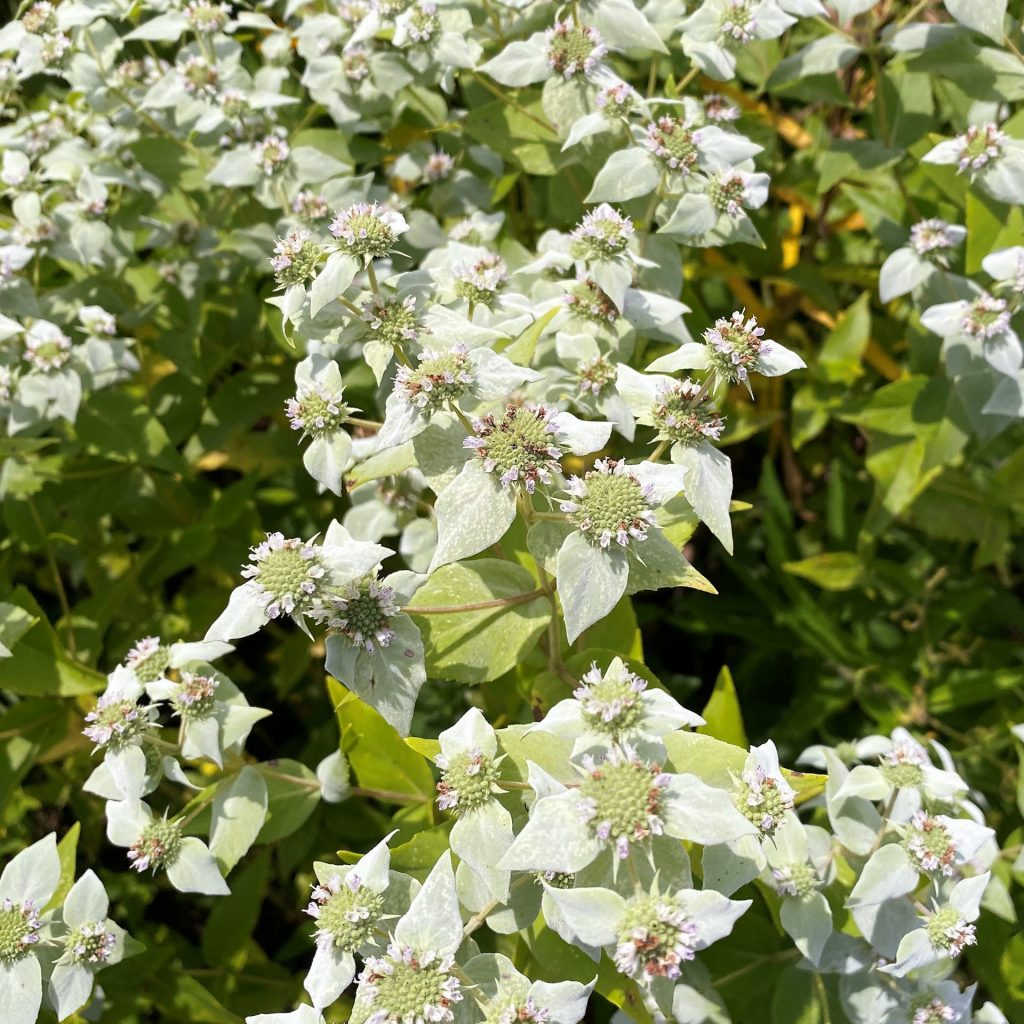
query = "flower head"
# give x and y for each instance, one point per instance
(901, 764)
(346, 912)
(655, 938)
(200, 77)
(574, 49)
(148, 659)
(673, 142)
(617, 99)
(194, 698)
(317, 410)
(468, 780)
(271, 153)
(728, 193)
(797, 879)
(717, 108)
(89, 944)
(735, 345)
(206, 16)
(521, 446)
(595, 375)
(602, 234)
(157, 846)
(611, 701)
(621, 799)
(117, 721)
(979, 146)
(47, 347)
(931, 844)
(934, 1011)
(19, 930)
(441, 378)
(96, 320)
(439, 166)
(407, 986)
(738, 22)
(932, 237)
(986, 317)
(609, 503)
(393, 321)
(295, 258)
(949, 931)
(363, 612)
(763, 798)
(480, 282)
(587, 301)
(368, 230)
(287, 572)
(683, 413)
(309, 205)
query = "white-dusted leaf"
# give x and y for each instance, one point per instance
(239, 810)
(628, 174)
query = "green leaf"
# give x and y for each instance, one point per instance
(239, 810)
(39, 666)
(474, 644)
(67, 851)
(115, 425)
(722, 712)
(293, 793)
(377, 755)
(233, 918)
(835, 570)
(840, 356)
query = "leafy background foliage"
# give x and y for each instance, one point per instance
(874, 584)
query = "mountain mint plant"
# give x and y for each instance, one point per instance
(522, 284)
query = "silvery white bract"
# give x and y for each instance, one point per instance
(504, 993)
(989, 157)
(159, 843)
(373, 646)
(347, 904)
(89, 942)
(714, 212)
(650, 934)
(904, 767)
(799, 864)
(591, 381)
(458, 379)
(912, 266)
(686, 420)
(983, 326)
(27, 883)
(292, 577)
(150, 660)
(713, 33)
(213, 715)
(614, 535)
(419, 962)
(52, 374)
(388, 507)
(934, 845)
(470, 770)
(318, 411)
(513, 451)
(615, 706)
(947, 929)
(301, 1015)
(567, 49)
(621, 801)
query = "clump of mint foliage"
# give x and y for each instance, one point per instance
(378, 383)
